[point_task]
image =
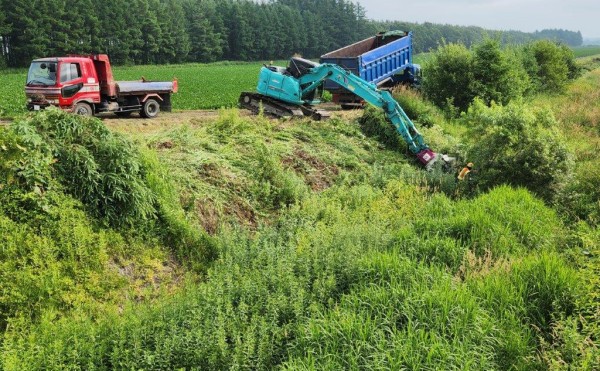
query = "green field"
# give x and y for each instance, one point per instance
(586, 51)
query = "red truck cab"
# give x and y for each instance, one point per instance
(85, 85)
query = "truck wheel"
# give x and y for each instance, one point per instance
(83, 109)
(150, 109)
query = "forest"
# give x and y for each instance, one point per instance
(176, 31)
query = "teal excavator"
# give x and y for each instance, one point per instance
(294, 90)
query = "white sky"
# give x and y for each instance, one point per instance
(522, 15)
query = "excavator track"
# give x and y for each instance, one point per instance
(277, 108)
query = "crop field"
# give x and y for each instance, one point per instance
(586, 51)
(201, 86)
(12, 97)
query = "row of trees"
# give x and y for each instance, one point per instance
(428, 36)
(175, 31)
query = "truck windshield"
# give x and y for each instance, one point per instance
(42, 73)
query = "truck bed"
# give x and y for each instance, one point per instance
(374, 59)
(144, 87)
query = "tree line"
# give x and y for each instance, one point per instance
(428, 36)
(176, 31)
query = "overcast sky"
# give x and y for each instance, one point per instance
(522, 15)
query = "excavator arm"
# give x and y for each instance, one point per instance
(293, 90)
(314, 77)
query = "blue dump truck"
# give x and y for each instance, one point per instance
(384, 60)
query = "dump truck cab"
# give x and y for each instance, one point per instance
(61, 82)
(85, 85)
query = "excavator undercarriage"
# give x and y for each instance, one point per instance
(276, 108)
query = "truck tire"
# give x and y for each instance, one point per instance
(83, 109)
(150, 109)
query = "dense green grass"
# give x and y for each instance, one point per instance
(332, 249)
(333, 254)
(12, 93)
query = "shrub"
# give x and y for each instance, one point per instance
(98, 167)
(554, 65)
(517, 145)
(374, 124)
(107, 173)
(498, 76)
(422, 112)
(580, 199)
(448, 77)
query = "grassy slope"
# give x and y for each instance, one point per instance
(333, 254)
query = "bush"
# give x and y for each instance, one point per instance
(517, 145)
(374, 124)
(422, 112)
(554, 65)
(98, 167)
(79, 156)
(498, 76)
(580, 199)
(448, 77)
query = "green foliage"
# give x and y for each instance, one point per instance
(190, 243)
(57, 267)
(454, 76)
(338, 282)
(448, 77)
(555, 65)
(333, 254)
(57, 151)
(537, 288)
(420, 111)
(580, 199)
(517, 145)
(498, 75)
(98, 167)
(11, 100)
(275, 185)
(374, 123)
(173, 31)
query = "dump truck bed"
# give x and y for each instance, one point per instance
(145, 87)
(374, 59)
